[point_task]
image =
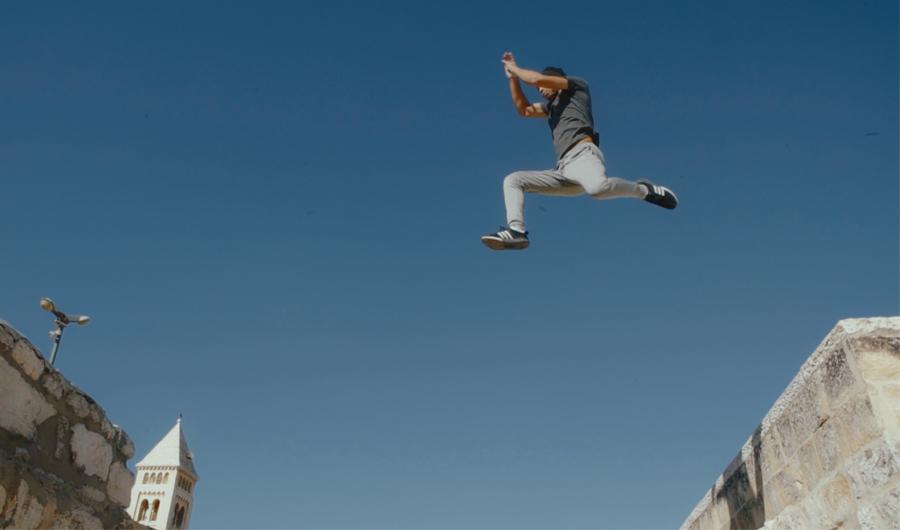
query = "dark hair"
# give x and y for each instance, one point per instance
(554, 71)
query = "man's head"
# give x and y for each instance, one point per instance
(550, 93)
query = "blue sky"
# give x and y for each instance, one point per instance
(272, 213)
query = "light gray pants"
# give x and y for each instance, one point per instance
(581, 170)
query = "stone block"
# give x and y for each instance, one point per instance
(91, 451)
(123, 442)
(79, 405)
(54, 384)
(836, 376)
(808, 462)
(883, 512)
(837, 502)
(829, 445)
(858, 424)
(792, 518)
(91, 494)
(76, 520)
(799, 420)
(720, 511)
(8, 335)
(118, 488)
(772, 502)
(737, 490)
(22, 407)
(880, 365)
(703, 521)
(872, 468)
(790, 486)
(751, 515)
(28, 511)
(890, 392)
(771, 457)
(28, 359)
(62, 438)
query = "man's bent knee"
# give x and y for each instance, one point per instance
(600, 189)
(515, 179)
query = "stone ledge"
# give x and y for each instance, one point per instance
(842, 403)
(62, 462)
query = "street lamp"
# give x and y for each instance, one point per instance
(62, 320)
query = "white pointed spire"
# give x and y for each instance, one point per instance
(172, 450)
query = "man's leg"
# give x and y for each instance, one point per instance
(588, 169)
(549, 182)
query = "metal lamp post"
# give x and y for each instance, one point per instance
(62, 320)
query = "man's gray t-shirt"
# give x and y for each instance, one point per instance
(570, 115)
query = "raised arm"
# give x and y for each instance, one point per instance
(525, 108)
(531, 77)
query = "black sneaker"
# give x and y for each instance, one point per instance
(660, 195)
(506, 239)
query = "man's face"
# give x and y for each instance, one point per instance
(548, 93)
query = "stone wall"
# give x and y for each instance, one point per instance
(827, 455)
(62, 463)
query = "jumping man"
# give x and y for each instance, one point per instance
(580, 167)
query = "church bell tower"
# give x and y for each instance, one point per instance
(163, 492)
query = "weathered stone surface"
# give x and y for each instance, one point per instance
(91, 451)
(54, 384)
(79, 404)
(771, 458)
(62, 438)
(92, 494)
(119, 485)
(22, 407)
(873, 467)
(836, 376)
(837, 496)
(808, 462)
(858, 424)
(76, 519)
(28, 510)
(28, 359)
(751, 515)
(829, 446)
(881, 366)
(828, 451)
(882, 513)
(800, 419)
(791, 518)
(790, 486)
(123, 442)
(8, 335)
(53, 475)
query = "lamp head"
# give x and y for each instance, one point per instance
(47, 304)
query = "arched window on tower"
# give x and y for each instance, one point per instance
(159, 479)
(155, 511)
(142, 511)
(179, 516)
(166, 479)
(146, 476)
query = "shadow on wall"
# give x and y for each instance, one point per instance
(746, 506)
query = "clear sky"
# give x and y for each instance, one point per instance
(271, 210)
